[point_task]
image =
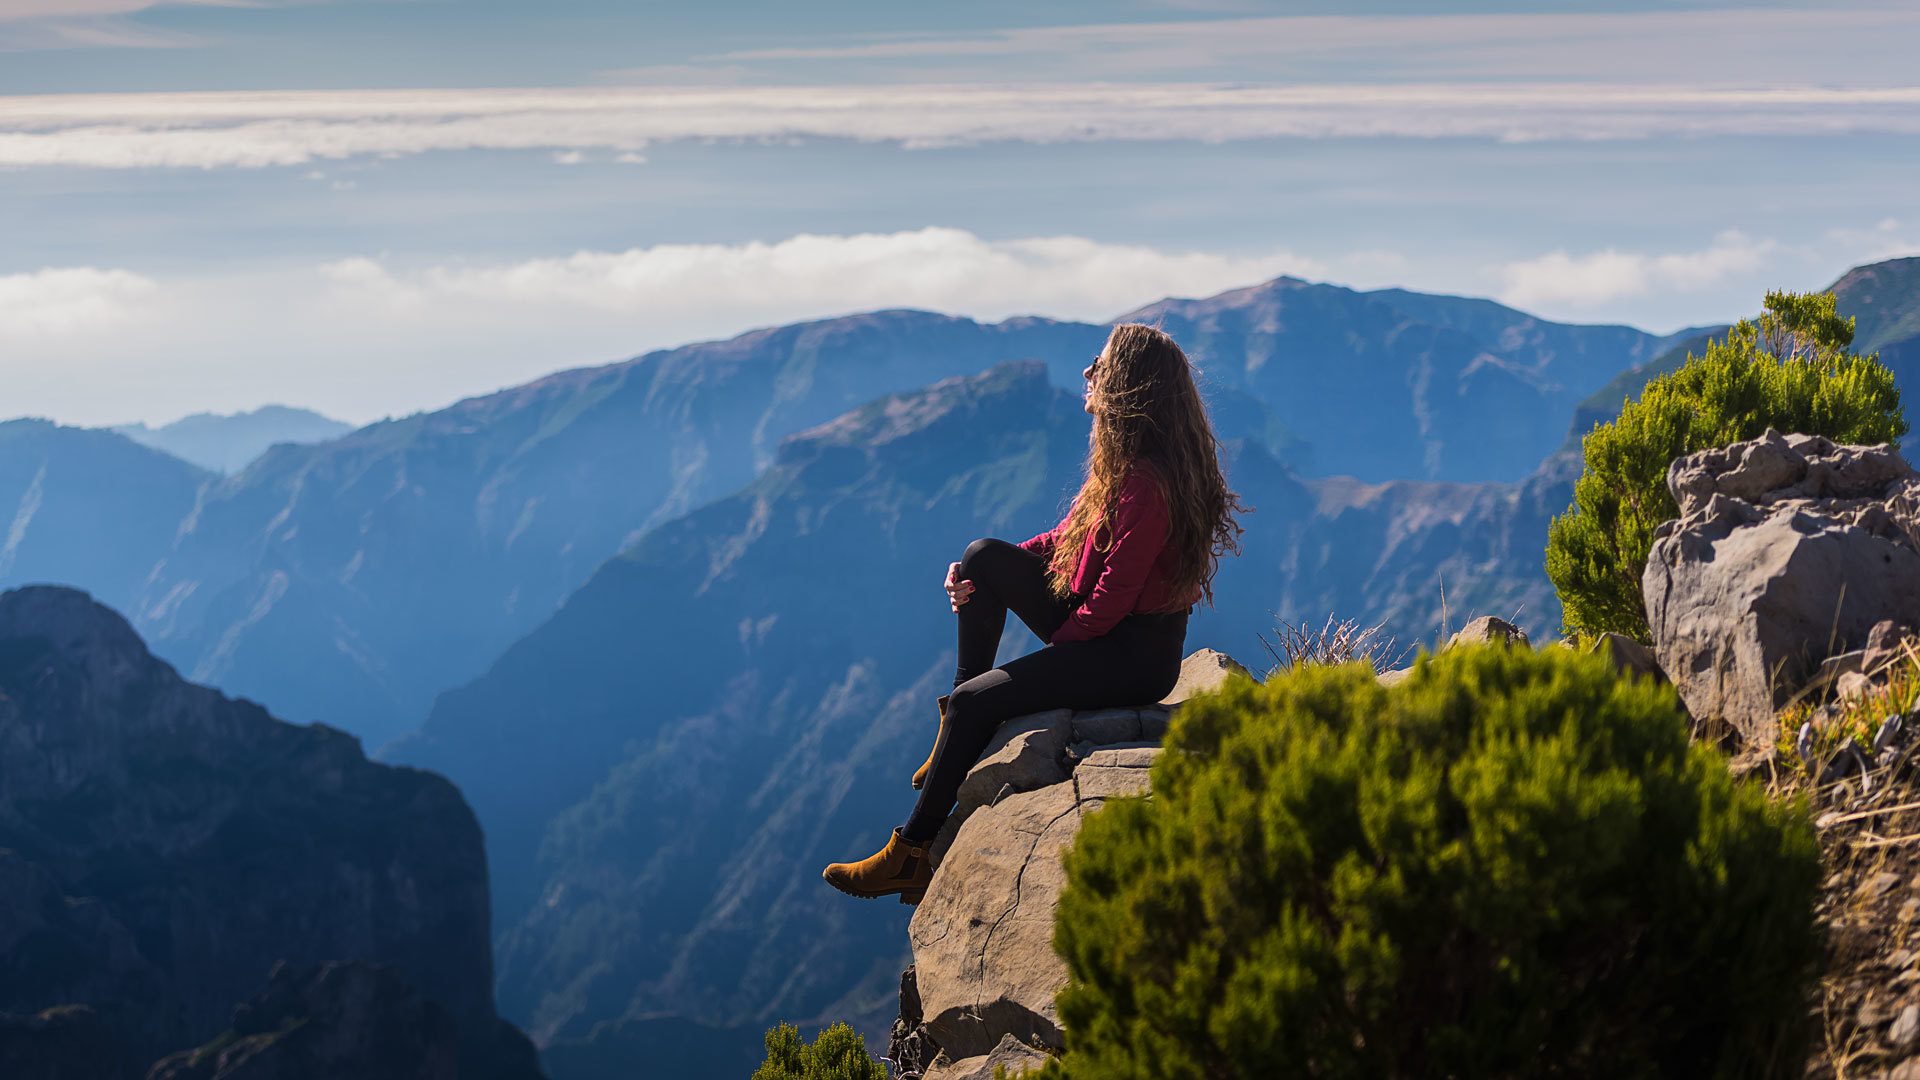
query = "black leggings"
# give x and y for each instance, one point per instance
(1136, 662)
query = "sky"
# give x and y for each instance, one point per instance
(373, 208)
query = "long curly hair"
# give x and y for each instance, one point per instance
(1146, 409)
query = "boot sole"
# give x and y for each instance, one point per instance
(907, 894)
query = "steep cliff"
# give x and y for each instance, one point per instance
(163, 847)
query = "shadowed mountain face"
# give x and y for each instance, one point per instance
(224, 444)
(350, 581)
(656, 830)
(80, 505)
(162, 847)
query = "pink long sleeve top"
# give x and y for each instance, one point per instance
(1127, 573)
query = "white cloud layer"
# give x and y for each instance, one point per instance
(935, 268)
(220, 130)
(58, 303)
(1558, 278)
(360, 338)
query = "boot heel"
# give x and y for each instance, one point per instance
(913, 896)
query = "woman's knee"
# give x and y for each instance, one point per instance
(980, 550)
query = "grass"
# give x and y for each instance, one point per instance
(1869, 828)
(1896, 691)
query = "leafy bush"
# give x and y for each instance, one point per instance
(1791, 369)
(1511, 864)
(837, 1054)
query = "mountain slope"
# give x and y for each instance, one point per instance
(81, 505)
(768, 652)
(656, 829)
(225, 443)
(352, 580)
(1396, 384)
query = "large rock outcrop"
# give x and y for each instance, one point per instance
(163, 847)
(981, 989)
(354, 1019)
(1788, 549)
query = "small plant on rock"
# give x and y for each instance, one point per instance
(837, 1054)
(1791, 369)
(1511, 864)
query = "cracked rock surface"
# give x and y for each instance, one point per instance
(1788, 549)
(985, 973)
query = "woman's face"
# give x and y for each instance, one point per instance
(1088, 374)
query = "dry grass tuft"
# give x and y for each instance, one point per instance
(1337, 641)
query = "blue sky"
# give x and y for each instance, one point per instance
(374, 208)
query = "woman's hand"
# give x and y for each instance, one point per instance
(957, 591)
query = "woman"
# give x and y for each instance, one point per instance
(1108, 589)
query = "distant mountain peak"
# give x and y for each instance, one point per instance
(228, 442)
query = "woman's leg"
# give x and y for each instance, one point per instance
(1130, 666)
(1005, 578)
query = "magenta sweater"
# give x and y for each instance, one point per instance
(1131, 573)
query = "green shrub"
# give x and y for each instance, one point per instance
(1511, 864)
(837, 1054)
(1791, 370)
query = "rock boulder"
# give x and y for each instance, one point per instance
(1788, 550)
(980, 992)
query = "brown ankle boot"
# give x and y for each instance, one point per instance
(900, 867)
(920, 778)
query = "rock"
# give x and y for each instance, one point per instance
(1011, 1054)
(354, 1019)
(1906, 1070)
(1853, 686)
(1888, 642)
(1749, 590)
(1027, 753)
(1629, 656)
(67, 1043)
(1878, 884)
(983, 936)
(1107, 726)
(1205, 670)
(1395, 677)
(170, 845)
(1905, 1027)
(1154, 721)
(1110, 773)
(983, 960)
(909, 1048)
(1489, 630)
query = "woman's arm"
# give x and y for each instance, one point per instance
(1139, 533)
